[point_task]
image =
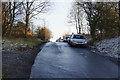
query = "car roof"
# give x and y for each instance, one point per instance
(78, 34)
(67, 36)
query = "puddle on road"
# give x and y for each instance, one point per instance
(66, 46)
(83, 55)
(47, 46)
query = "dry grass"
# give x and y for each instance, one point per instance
(31, 42)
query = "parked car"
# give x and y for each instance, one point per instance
(65, 38)
(61, 40)
(68, 39)
(77, 40)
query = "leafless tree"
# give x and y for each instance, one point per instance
(77, 15)
(102, 18)
(32, 9)
(9, 12)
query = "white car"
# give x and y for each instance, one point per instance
(65, 38)
(78, 40)
(61, 40)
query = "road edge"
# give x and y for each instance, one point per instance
(115, 60)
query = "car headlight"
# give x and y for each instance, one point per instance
(85, 42)
(73, 41)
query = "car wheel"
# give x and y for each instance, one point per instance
(71, 44)
(68, 42)
(86, 46)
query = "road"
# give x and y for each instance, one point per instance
(59, 60)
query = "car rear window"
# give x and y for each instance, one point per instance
(78, 37)
(67, 37)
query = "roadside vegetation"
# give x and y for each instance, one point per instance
(100, 22)
(21, 40)
(20, 43)
(102, 19)
(17, 26)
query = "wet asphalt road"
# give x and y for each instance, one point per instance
(59, 60)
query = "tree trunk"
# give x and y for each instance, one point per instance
(27, 20)
(12, 19)
(26, 26)
(79, 27)
(76, 23)
(5, 19)
(92, 31)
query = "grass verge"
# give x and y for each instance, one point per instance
(30, 42)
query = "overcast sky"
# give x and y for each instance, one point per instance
(56, 19)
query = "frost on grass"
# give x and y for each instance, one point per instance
(10, 45)
(110, 47)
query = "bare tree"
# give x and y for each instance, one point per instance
(9, 12)
(4, 17)
(77, 15)
(12, 11)
(32, 9)
(102, 18)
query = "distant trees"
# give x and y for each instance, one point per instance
(43, 33)
(77, 17)
(102, 18)
(15, 12)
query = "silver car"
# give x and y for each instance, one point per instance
(78, 40)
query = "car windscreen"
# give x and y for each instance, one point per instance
(78, 37)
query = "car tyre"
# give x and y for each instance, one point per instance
(71, 44)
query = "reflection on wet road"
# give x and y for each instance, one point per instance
(59, 60)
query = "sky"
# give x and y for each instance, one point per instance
(56, 19)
